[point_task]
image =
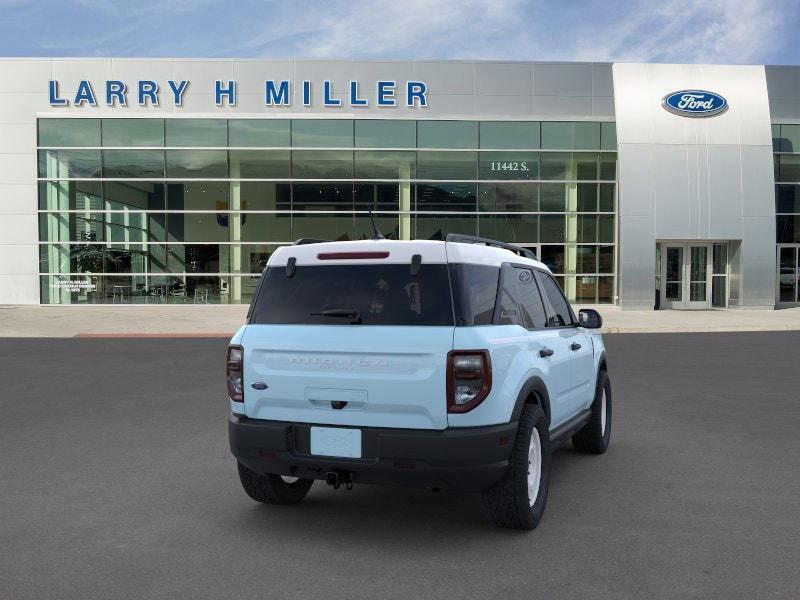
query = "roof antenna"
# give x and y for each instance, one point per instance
(376, 233)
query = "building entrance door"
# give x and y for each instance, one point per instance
(686, 271)
(788, 274)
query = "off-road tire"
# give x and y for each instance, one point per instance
(507, 503)
(271, 489)
(593, 438)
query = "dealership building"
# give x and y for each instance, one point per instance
(171, 181)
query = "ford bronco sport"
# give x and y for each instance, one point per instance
(454, 364)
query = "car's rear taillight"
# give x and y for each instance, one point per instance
(469, 379)
(235, 373)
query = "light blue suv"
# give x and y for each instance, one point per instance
(454, 364)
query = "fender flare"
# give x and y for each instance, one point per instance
(602, 364)
(534, 385)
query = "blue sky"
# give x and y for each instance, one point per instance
(700, 31)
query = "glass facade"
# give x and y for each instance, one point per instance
(786, 147)
(188, 210)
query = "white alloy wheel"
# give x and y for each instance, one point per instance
(289, 479)
(603, 412)
(534, 466)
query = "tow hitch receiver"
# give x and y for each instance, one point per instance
(339, 478)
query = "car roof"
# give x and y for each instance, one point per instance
(397, 251)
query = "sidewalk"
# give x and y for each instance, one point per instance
(223, 320)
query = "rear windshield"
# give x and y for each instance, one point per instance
(354, 294)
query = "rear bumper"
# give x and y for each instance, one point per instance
(464, 459)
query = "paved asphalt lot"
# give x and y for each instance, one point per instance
(116, 482)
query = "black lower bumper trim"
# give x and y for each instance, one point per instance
(465, 459)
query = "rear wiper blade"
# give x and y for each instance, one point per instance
(351, 313)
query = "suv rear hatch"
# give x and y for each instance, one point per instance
(351, 333)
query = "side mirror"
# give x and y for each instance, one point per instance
(590, 318)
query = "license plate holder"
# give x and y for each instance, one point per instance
(342, 442)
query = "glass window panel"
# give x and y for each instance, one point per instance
(255, 257)
(587, 136)
(556, 165)
(552, 228)
(585, 166)
(553, 197)
(322, 164)
(519, 228)
(720, 259)
(263, 195)
(587, 228)
(608, 136)
(789, 168)
(337, 226)
(62, 164)
(446, 197)
(196, 132)
(136, 195)
(557, 135)
(509, 165)
(586, 289)
(608, 166)
(322, 197)
(265, 227)
(787, 229)
(718, 291)
(790, 138)
(787, 198)
(197, 163)
(561, 311)
(447, 165)
(385, 165)
(198, 195)
(587, 197)
(553, 257)
(199, 227)
(133, 163)
(260, 164)
(509, 134)
(70, 195)
(508, 197)
(322, 133)
(385, 133)
(605, 228)
(379, 196)
(437, 226)
(133, 132)
(587, 259)
(605, 290)
(776, 135)
(69, 132)
(605, 262)
(387, 224)
(606, 197)
(196, 258)
(447, 134)
(259, 133)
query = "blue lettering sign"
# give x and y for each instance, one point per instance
(354, 99)
(386, 93)
(85, 93)
(306, 93)
(327, 95)
(416, 93)
(148, 90)
(228, 92)
(177, 90)
(116, 90)
(276, 96)
(55, 99)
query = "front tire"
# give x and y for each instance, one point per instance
(594, 437)
(273, 489)
(518, 500)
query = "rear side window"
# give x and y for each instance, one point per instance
(345, 294)
(530, 301)
(562, 314)
(474, 293)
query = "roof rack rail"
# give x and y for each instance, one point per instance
(304, 241)
(472, 239)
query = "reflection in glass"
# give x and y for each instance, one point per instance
(133, 164)
(133, 132)
(69, 132)
(385, 133)
(259, 133)
(197, 164)
(196, 132)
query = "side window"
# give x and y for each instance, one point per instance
(530, 301)
(562, 314)
(507, 312)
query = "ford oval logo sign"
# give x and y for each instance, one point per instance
(695, 103)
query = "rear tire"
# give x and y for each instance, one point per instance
(273, 489)
(594, 437)
(518, 500)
